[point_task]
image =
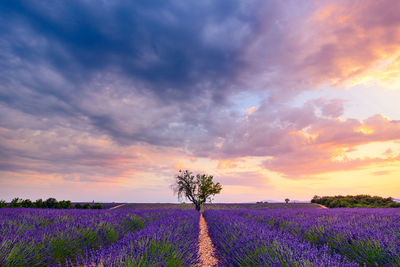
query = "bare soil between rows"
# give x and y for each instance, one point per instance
(206, 248)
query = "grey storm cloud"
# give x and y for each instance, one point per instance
(164, 73)
(142, 71)
(170, 47)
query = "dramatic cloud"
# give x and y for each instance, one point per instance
(248, 179)
(104, 92)
(300, 143)
(174, 49)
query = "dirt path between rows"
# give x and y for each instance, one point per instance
(322, 206)
(116, 207)
(206, 248)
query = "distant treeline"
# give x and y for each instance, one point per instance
(50, 203)
(359, 201)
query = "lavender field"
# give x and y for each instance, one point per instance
(32, 237)
(308, 237)
(242, 237)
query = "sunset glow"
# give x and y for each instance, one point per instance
(107, 101)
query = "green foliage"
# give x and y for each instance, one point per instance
(198, 189)
(18, 253)
(111, 235)
(394, 205)
(27, 203)
(62, 247)
(155, 251)
(62, 236)
(358, 201)
(97, 206)
(50, 203)
(39, 204)
(16, 203)
(287, 200)
(64, 204)
(87, 206)
(133, 223)
(3, 204)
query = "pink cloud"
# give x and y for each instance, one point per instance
(299, 143)
(334, 108)
(329, 43)
(330, 140)
(388, 152)
(379, 173)
(352, 132)
(250, 178)
(109, 127)
(306, 162)
(350, 39)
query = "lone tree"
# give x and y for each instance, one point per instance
(198, 189)
(287, 200)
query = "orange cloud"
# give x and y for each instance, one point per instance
(324, 12)
(332, 140)
(226, 164)
(380, 173)
(348, 42)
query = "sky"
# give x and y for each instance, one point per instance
(108, 100)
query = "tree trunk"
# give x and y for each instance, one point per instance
(198, 207)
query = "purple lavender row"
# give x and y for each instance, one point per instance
(368, 236)
(32, 237)
(243, 241)
(170, 241)
(46, 237)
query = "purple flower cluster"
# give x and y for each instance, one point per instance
(338, 237)
(32, 237)
(267, 237)
(171, 240)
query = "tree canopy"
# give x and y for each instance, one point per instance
(359, 201)
(198, 189)
(50, 203)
